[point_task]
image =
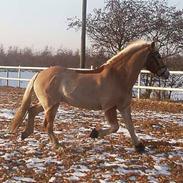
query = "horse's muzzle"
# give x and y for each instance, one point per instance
(164, 73)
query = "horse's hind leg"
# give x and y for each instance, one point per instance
(111, 116)
(32, 112)
(48, 124)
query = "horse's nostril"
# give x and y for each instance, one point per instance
(166, 74)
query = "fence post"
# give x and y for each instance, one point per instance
(19, 76)
(138, 90)
(7, 76)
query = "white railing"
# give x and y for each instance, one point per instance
(137, 86)
(19, 69)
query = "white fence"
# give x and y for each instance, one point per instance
(138, 86)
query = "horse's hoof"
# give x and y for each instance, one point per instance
(140, 148)
(23, 136)
(94, 134)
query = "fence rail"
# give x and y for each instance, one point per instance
(138, 86)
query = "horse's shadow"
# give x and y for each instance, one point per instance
(163, 146)
(151, 147)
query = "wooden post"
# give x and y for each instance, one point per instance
(83, 35)
(138, 90)
(19, 76)
(7, 76)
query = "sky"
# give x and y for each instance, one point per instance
(40, 23)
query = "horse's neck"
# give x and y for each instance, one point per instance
(132, 66)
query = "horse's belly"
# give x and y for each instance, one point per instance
(83, 103)
(81, 95)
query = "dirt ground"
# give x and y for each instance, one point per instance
(159, 125)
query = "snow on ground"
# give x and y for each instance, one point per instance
(105, 161)
(6, 114)
(81, 159)
(162, 116)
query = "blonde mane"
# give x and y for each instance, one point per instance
(132, 47)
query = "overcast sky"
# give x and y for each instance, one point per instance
(37, 23)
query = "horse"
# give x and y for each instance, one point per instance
(107, 88)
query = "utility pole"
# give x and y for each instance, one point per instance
(83, 35)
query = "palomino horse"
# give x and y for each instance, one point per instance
(108, 88)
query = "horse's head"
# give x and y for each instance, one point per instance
(155, 63)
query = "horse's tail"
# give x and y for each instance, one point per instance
(22, 110)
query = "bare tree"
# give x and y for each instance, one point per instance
(165, 25)
(121, 21)
(111, 28)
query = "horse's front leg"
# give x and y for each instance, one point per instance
(126, 114)
(111, 116)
